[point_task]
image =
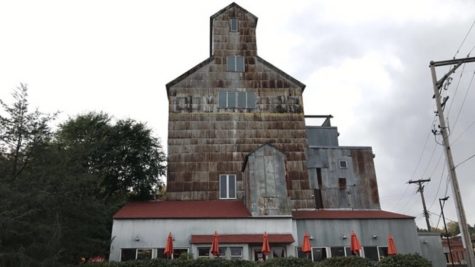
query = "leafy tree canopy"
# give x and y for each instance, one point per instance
(126, 157)
(60, 189)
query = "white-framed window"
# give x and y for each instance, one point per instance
(227, 186)
(177, 252)
(237, 99)
(129, 254)
(144, 254)
(278, 252)
(236, 253)
(235, 63)
(343, 164)
(340, 251)
(319, 254)
(203, 252)
(371, 253)
(383, 252)
(233, 24)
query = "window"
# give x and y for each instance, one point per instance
(236, 253)
(161, 253)
(227, 186)
(233, 24)
(236, 99)
(338, 251)
(177, 252)
(144, 254)
(278, 252)
(128, 254)
(203, 252)
(222, 251)
(342, 183)
(235, 63)
(350, 253)
(319, 254)
(371, 253)
(343, 164)
(383, 252)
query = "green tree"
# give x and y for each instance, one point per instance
(25, 228)
(125, 155)
(453, 228)
(59, 190)
(20, 129)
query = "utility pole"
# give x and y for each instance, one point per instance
(456, 63)
(442, 200)
(421, 190)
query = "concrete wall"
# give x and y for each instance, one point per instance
(361, 190)
(330, 233)
(431, 248)
(153, 233)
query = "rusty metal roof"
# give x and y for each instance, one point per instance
(346, 214)
(183, 209)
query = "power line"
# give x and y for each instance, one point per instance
(445, 194)
(469, 52)
(423, 149)
(463, 102)
(438, 187)
(465, 38)
(456, 89)
(430, 160)
(463, 132)
(465, 160)
(415, 168)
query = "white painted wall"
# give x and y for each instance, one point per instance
(152, 233)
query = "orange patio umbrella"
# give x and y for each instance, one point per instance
(265, 244)
(391, 246)
(169, 246)
(306, 247)
(215, 245)
(355, 244)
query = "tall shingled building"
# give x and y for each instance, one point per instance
(243, 162)
(226, 107)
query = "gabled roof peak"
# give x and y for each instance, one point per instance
(233, 4)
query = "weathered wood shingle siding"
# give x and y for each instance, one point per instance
(205, 141)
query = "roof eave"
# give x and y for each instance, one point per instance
(188, 73)
(281, 72)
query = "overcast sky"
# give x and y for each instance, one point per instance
(364, 62)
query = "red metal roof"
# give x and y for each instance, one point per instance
(183, 209)
(347, 214)
(243, 239)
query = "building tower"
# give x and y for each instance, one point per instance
(227, 107)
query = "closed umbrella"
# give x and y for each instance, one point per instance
(391, 246)
(265, 244)
(306, 247)
(355, 244)
(215, 245)
(169, 246)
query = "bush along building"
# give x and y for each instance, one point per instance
(242, 162)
